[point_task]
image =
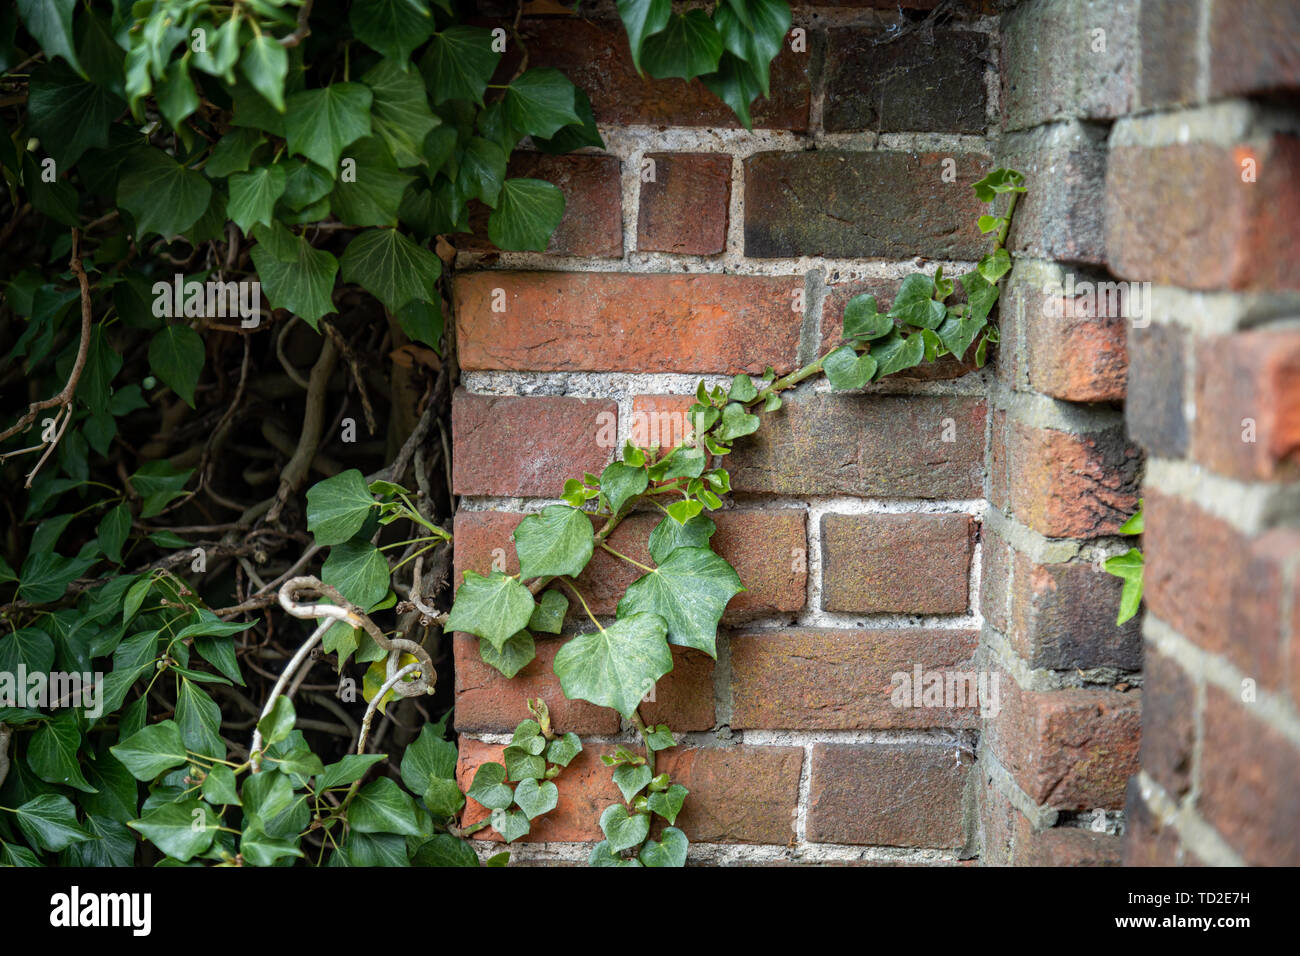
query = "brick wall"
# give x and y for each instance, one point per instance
(948, 520)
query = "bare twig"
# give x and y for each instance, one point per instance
(303, 31)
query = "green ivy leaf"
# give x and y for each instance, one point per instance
(981, 294)
(50, 24)
(862, 320)
(175, 94)
(915, 304)
(318, 124)
(735, 423)
(459, 63)
(958, 332)
(347, 771)
(52, 752)
(1130, 567)
(511, 824)
(391, 267)
(176, 356)
(897, 352)
(152, 749)
(562, 750)
(381, 806)
(391, 27)
(373, 195)
(689, 592)
(632, 779)
(278, 724)
(49, 822)
(162, 195)
(359, 570)
(669, 535)
(995, 265)
(516, 654)
(668, 803)
(689, 46)
(536, 798)
(494, 608)
(846, 369)
(668, 850)
(489, 787)
(265, 63)
(294, 275)
(540, 102)
(445, 850)
(199, 719)
(259, 849)
(643, 18)
(754, 30)
(521, 765)
(527, 213)
(623, 830)
(67, 114)
(602, 854)
(219, 787)
(181, 830)
(337, 508)
(684, 511)
(548, 616)
(482, 171)
(443, 798)
(158, 483)
(557, 541)
(112, 531)
(253, 196)
(430, 757)
(736, 83)
(616, 666)
(400, 113)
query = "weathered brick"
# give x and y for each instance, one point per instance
(931, 81)
(1222, 590)
(593, 52)
(1158, 228)
(997, 822)
(1248, 405)
(1054, 67)
(1065, 485)
(683, 698)
(593, 204)
(765, 547)
(1249, 782)
(1147, 841)
(684, 208)
(662, 420)
(608, 321)
(1068, 749)
(869, 563)
(1065, 846)
(527, 446)
(1168, 723)
(814, 679)
(1169, 30)
(1075, 348)
(995, 578)
(887, 794)
(1060, 217)
(889, 204)
(486, 701)
(738, 794)
(889, 446)
(1154, 410)
(1063, 617)
(1253, 48)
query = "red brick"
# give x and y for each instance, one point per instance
(1158, 228)
(888, 795)
(738, 794)
(997, 824)
(594, 54)
(1168, 724)
(1249, 782)
(813, 679)
(1220, 589)
(1068, 749)
(871, 446)
(1147, 840)
(1066, 846)
(1155, 407)
(527, 446)
(881, 204)
(1063, 618)
(593, 204)
(1065, 485)
(995, 578)
(1077, 349)
(1248, 405)
(683, 698)
(608, 321)
(684, 208)
(870, 563)
(1253, 48)
(761, 546)
(662, 420)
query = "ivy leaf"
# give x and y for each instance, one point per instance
(50, 24)
(253, 195)
(1130, 567)
(278, 724)
(958, 332)
(112, 531)
(219, 787)
(620, 482)
(511, 824)
(669, 535)
(347, 771)
(548, 616)
(430, 757)
(68, 114)
(391, 27)
(494, 608)
(643, 18)
(49, 822)
(175, 94)
(915, 304)
(459, 63)
(557, 541)
(632, 779)
(338, 507)
(689, 591)
(391, 267)
(618, 665)
(445, 850)
(318, 124)
(754, 30)
(527, 213)
(575, 135)
(540, 102)
(372, 196)
(995, 265)
(536, 798)
(896, 352)
(400, 109)
(735, 423)
(443, 798)
(306, 183)
(295, 276)
(482, 171)
(602, 854)
(199, 719)
(846, 369)
(862, 320)
(359, 570)
(668, 850)
(489, 787)
(233, 152)
(52, 752)
(689, 46)
(562, 750)
(980, 294)
(158, 483)
(668, 803)
(422, 322)
(381, 806)
(176, 356)
(516, 654)
(265, 63)
(181, 830)
(623, 830)
(162, 195)
(151, 750)
(521, 765)
(684, 511)
(259, 849)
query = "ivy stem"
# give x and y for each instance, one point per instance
(578, 594)
(619, 554)
(641, 729)
(1006, 220)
